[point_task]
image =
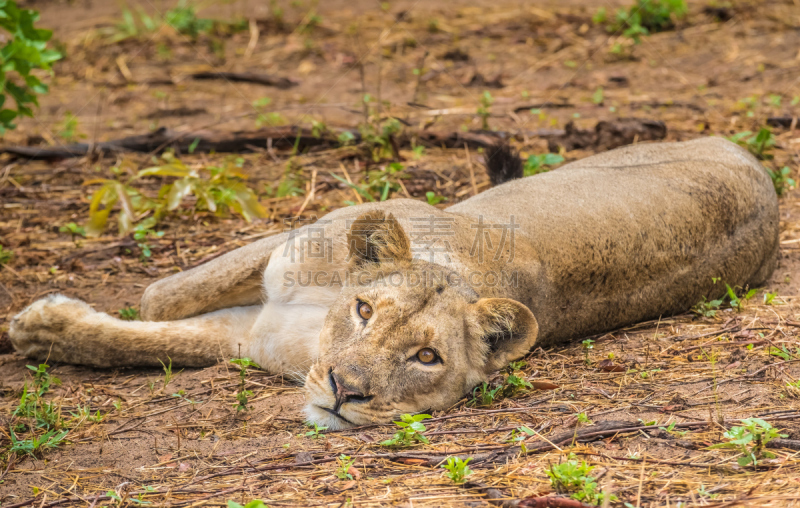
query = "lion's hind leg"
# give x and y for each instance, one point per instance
(231, 280)
(67, 330)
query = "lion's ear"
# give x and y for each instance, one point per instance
(506, 328)
(376, 237)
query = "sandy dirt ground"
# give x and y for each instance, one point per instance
(551, 71)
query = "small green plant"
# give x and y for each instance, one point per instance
(129, 314)
(271, 118)
(588, 345)
(597, 96)
(290, 184)
(85, 413)
(379, 138)
(168, 375)
(181, 394)
(583, 418)
(643, 18)
(536, 164)
(572, 477)
(781, 180)
(73, 229)
(484, 395)
(769, 298)
(707, 308)
(670, 430)
(23, 51)
(223, 190)
(243, 394)
(343, 465)
(737, 302)
(381, 183)
(36, 444)
(784, 353)
(433, 199)
(183, 18)
(69, 128)
(457, 469)
(5, 255)
(484, 112)
(750, 440)
(410, 433)
(141, 233)
(760, 144)
(346, 138)
(316, 432)
(255, 503)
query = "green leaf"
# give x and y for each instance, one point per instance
(179, 190)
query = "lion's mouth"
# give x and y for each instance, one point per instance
(336, 414)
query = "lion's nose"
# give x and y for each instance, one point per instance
(345, 393)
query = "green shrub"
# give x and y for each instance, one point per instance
(25, 51)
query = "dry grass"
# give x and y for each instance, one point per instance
(703, 374)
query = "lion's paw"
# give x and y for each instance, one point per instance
(44, 323)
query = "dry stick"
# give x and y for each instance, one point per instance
(656, 461)
(254, 33)
(347, 176)
(641, 482)
(420, 65)
(746, 376)
(310, 195)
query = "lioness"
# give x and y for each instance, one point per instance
(399, 307)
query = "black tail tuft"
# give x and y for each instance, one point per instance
(502, 163)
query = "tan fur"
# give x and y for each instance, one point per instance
(610, 240)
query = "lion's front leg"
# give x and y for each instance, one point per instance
(67, 330)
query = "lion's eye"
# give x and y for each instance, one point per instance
(364, 310)
(426, 355)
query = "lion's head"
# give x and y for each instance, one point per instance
(402, 338)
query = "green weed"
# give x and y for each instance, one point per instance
(73, 229)
(433, 199)
(784, 353)
(255, 503)
(572, 477)
(218, 189)
(380, 184)
(36, 444)
(69, 128)
(316, 432)
(343, 465)
(781, 180)
(671, 430)
(737, 302)
(410, 433)
(243, 394)
(24, 50)
(457, 469)
(536, 164)
(168, 375)
(484, 112)
(5, 255)
(750, 440)
(707, 308)
(643, 18)
(129, 314)
(511, 385)
(760, 144)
